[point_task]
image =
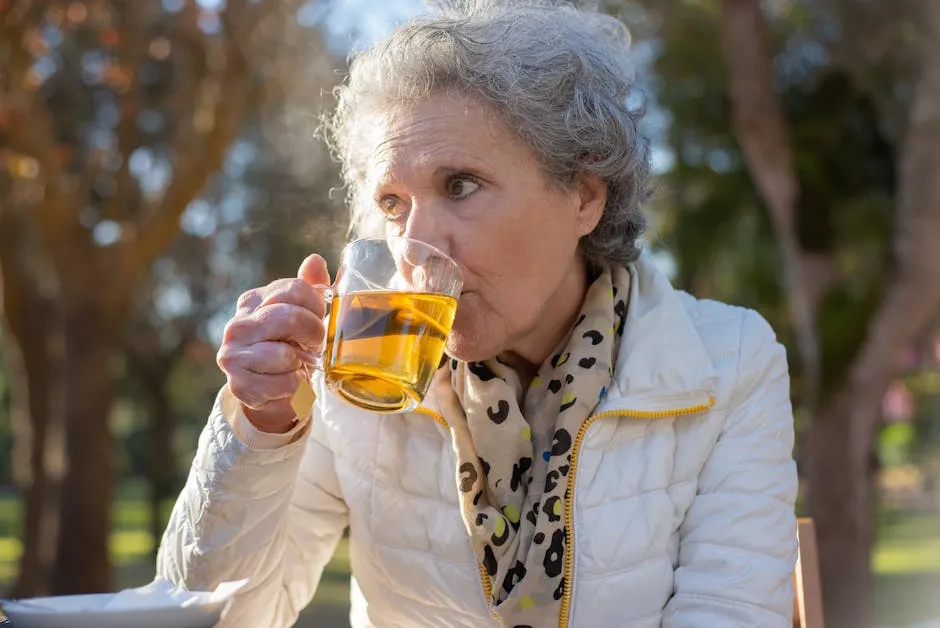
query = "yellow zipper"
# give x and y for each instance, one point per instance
(484, 577)
(434, 415)
(568, 573)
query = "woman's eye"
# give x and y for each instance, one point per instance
(460, 187)
(392, 207)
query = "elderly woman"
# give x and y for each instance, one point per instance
(600, 450)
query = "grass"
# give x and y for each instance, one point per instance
(907, 543)
(903, 599)
(906, 562)
(907, 569)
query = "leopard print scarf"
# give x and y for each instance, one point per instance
(513, 451)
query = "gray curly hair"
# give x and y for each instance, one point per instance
(558, 76)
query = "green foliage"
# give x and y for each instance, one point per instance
(713, 221)
(895, 443)
(843, 322)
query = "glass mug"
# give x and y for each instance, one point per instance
(392, 305)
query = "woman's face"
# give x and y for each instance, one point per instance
(448, 172)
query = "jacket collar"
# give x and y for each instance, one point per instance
(662, 364)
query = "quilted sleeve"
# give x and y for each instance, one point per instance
(738, 541)
(274, 516)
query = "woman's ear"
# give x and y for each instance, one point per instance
(592, 195)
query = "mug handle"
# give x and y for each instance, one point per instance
(304, 397)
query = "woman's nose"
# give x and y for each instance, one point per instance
(426, 224)
(423, 267)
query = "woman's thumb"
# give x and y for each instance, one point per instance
(313, 271)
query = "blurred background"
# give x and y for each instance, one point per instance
(157, 158)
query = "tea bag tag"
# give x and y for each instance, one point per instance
(303, 399)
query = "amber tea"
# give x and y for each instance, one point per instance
(383, 347)
(393, 303)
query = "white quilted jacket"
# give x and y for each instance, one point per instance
(680, 496)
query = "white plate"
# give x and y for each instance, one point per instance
(157, 605)
(87, 611)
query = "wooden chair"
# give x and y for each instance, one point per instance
(807, 598)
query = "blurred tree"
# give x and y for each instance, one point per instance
(6, 438)
(113, 118)
(837, 144)
(280, 211)
(30, 313)
(841, 436)
(155, 340)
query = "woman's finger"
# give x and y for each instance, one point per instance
(255, 390)
(294, 292)
(264, 358)
(249, 301)
(278, 321)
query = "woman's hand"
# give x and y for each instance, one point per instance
(258, 353)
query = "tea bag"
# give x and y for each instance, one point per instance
(303, 399)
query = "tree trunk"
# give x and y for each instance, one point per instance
(763, 132)
(26, 435)
(842, 501)
(82, 564)
(842, 494)
(151, 368)
(37, 456)
(161, 466)
(34, 346)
